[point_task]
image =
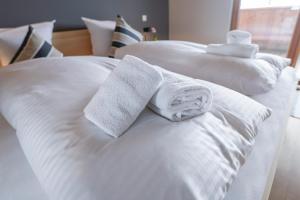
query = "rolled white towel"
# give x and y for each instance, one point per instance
(179, 100)
(123, 96)
(234, 50)
(239, 37)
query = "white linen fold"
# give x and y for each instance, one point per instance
(239, 37)
(179, 100)
(235, 50)
(123, 96)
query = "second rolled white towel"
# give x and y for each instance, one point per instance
(180, 100)
(239, 37)
(235, 50)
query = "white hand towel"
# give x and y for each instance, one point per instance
(123, 96)
(179, 100)
(239, 37)
(234, 50)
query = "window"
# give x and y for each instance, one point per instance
(272, 24)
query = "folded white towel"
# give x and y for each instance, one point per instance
(123, 95)
(179, 100)
(239, 37)
(234, 50)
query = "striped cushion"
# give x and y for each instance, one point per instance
(123, 35)
(34, 46)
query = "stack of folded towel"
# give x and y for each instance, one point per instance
(239, 44)
(132, 85)
(239, 37)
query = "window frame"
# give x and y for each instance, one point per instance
(294, 48)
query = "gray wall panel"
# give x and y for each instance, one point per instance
(68, 12)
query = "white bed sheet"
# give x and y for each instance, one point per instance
(249, 184)
(253, 176)
(17, 180)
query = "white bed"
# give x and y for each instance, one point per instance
(250, 183)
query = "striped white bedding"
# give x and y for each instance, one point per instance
(155, 159)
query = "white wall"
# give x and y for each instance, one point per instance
(204, 21)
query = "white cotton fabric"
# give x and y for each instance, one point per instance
(154, 159)
(252, 181)
(247, 76)
(179, 99)
(242, 110)
(239, 37)
(123, 96)
(249, 184)
(234, 50)
(277, 61)
(17, 180)
(11, 39)
(101, 35)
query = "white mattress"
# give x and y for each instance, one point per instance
(17, 180)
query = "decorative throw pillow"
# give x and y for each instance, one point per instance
(34, 46)
(12, 38)
(101, 34)
(123, 35)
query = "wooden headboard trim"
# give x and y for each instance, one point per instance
(73, 43)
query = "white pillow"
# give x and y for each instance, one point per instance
(124, 35)
(34, 47)
(277, 61)
(101, 34)
(11, 39)
(239, 110)
(247, 76)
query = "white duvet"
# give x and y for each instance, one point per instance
(154, 160)
(247, 76)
